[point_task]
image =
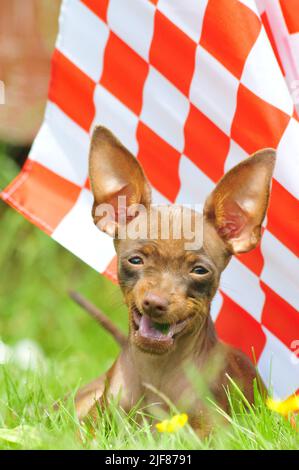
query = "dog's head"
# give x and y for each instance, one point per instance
(169, 258)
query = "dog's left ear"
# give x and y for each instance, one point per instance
(238, 204)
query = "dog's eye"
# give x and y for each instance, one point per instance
(136, 260)
(199, 270)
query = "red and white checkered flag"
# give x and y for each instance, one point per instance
(191, 88)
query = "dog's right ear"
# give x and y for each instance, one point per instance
(114, 172)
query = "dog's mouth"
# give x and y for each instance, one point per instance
(145, 327)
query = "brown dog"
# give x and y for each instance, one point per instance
(167, 287)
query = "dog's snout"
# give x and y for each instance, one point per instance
(154, 304)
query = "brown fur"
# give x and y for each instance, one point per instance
(166, 287)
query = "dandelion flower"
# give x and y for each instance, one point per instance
(290, 405)
(173, 424)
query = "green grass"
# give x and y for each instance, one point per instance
(36, 275)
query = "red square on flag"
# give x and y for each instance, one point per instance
(253, 260)
(173, 53)
(72, 90)
(230, 29)
(280, 317)
(45, 195)
(290, 9)
(235, 326)
(160, 162)
(205, 144)
(284, 207)
(124, 73)
(257, 124)
(99, 7)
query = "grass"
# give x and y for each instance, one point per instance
(36, 274)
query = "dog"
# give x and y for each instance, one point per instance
(167, 287)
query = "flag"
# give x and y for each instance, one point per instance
(281, 21)
(191, 88)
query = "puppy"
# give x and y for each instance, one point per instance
(168, 282)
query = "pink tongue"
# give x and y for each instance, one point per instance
(148, 330)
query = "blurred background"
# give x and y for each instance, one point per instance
(48, 345)
(36, 273)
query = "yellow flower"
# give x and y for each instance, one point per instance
(290, 405)
(173, 424)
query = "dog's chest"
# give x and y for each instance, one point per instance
(154, 384)
(165, 389)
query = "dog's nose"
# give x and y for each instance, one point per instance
(154, 304)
